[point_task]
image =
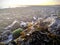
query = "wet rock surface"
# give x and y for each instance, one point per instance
(40, 31)
(6, 37)
(47, 35)
(55, 27)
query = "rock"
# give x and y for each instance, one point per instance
(0, 38)
(55, 27)
(12, 43)
(13, 26)
(6, 37)
(23, 24)
(37, 38)
(34, 18)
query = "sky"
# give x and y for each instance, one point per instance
(17, 3)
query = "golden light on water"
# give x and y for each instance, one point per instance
(15, 3)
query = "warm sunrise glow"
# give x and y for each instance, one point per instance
(15, 3)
